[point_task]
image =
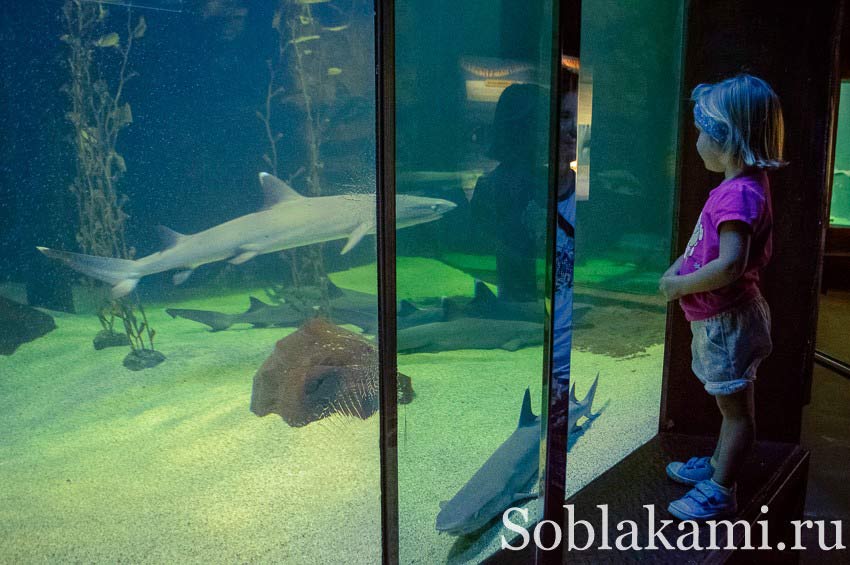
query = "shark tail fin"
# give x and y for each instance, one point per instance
(122, 274)
(588, 398)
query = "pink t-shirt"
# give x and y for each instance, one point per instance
(745, 198)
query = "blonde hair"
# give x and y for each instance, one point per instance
(752, 115)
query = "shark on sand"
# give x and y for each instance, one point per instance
(346, 307)
(469, 333)
(287, 220)
(510, 473)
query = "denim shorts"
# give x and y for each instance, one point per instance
(727, 348)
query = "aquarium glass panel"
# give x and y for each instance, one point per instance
(472, 132)
(628, 102)
(839, 210)
(205, 392)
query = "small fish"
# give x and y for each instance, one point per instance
(108, 40)
(334, 71)
(303, 38)
(336, 28)
(141, 28)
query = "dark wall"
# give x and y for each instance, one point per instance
(845, 44)
(793, 46)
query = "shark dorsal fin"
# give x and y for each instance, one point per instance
(483, 294)
(333, 290)
(168, 236)
(256, 304)
(406, 308)
(451, 309)
(526, 416)
(573, 398)
(276, 191)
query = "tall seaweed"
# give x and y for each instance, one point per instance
(299, 48)
(98, 114)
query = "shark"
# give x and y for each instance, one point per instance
(509, 474)
(287, 220)
(259, 314)
(346, 307)
(469, 333)
(485, 304)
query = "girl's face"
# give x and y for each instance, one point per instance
(711, 153)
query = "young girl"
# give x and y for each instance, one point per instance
(716, 280)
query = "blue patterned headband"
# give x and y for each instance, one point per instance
(715, 130)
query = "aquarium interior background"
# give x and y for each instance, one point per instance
(100, 463)
(839, 209)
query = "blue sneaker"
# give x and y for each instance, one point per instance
(695, 470)
(706, 501)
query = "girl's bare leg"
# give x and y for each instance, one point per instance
(736, 435)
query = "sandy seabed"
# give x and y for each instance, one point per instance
(102, 464)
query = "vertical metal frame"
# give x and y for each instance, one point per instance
(566, 19)
(386, 241)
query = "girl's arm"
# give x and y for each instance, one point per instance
(674, 268)
(723, 271)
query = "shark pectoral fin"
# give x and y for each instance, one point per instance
(356, 236)
(124, 287)
(243, 257)
(181, 276)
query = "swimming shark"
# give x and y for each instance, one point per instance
(287, 220)
(510, 474)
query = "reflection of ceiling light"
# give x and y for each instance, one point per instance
(574, 166)
(570, 62)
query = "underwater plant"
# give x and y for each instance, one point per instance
(298, 50)
(98, 114)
